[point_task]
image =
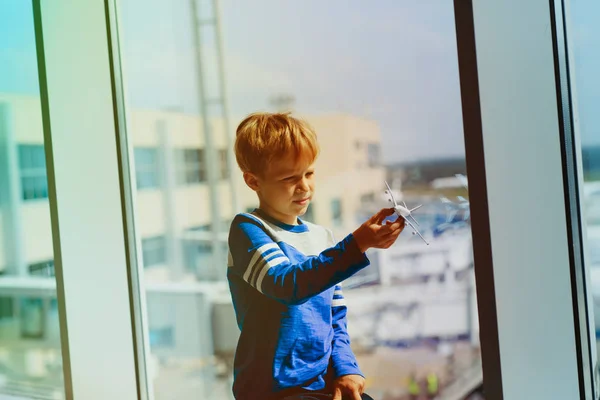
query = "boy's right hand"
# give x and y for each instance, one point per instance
(373, 234)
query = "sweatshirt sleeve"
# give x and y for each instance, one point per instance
(258, 260)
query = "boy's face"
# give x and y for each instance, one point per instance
(285, 189)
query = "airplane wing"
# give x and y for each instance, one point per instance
(414, 219)
(390, 193)
(415, 230)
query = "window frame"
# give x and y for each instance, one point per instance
(533, 114)
(73, 61)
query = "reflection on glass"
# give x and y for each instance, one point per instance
(30, 346)
(195, 69)
(584, 38)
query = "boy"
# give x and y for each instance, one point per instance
(284, 273)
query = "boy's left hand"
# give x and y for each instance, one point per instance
(350, 386)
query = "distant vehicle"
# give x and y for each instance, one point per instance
(405, 212)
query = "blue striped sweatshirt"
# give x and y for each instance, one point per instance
(285, 285)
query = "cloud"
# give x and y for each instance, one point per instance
(393, 62)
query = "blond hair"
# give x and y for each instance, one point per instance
(262, 137)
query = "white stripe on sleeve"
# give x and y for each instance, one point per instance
(270, 264)
(338, 302)
(257, 254)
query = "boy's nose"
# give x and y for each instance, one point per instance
(303, 186)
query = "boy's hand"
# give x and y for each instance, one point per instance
(373, 234)
(350, 386)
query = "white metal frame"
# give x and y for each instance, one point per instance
(89, 233)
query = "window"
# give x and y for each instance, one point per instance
(336, 213)
(309, 215)
(197, 254)
(43, 268)
(146, 167)
(162, 337)
(32, 318)
(154, 251)
(32, 163)
(367, 198)
(191, 166)
(413, 317)
(591, 160)
(352, 147)
(199, 259)
(6, 308)
(374, 154)
(223, 163)
(512, 68)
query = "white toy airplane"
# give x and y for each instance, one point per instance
(405, 213)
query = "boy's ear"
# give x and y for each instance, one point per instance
(251, 180)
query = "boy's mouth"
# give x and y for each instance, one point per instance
(302, 201)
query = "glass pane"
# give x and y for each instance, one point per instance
(223, 160)
(192, 156)
(145, 158)
(30, 345)
(190, 166)
(154, 251)
(379, 115)
(336, 212)
(584, 40)
(25, 157)
(374, 154)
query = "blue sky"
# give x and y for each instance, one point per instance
(391, 61)
(18, 65)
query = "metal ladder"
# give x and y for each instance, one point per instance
(213, 105)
